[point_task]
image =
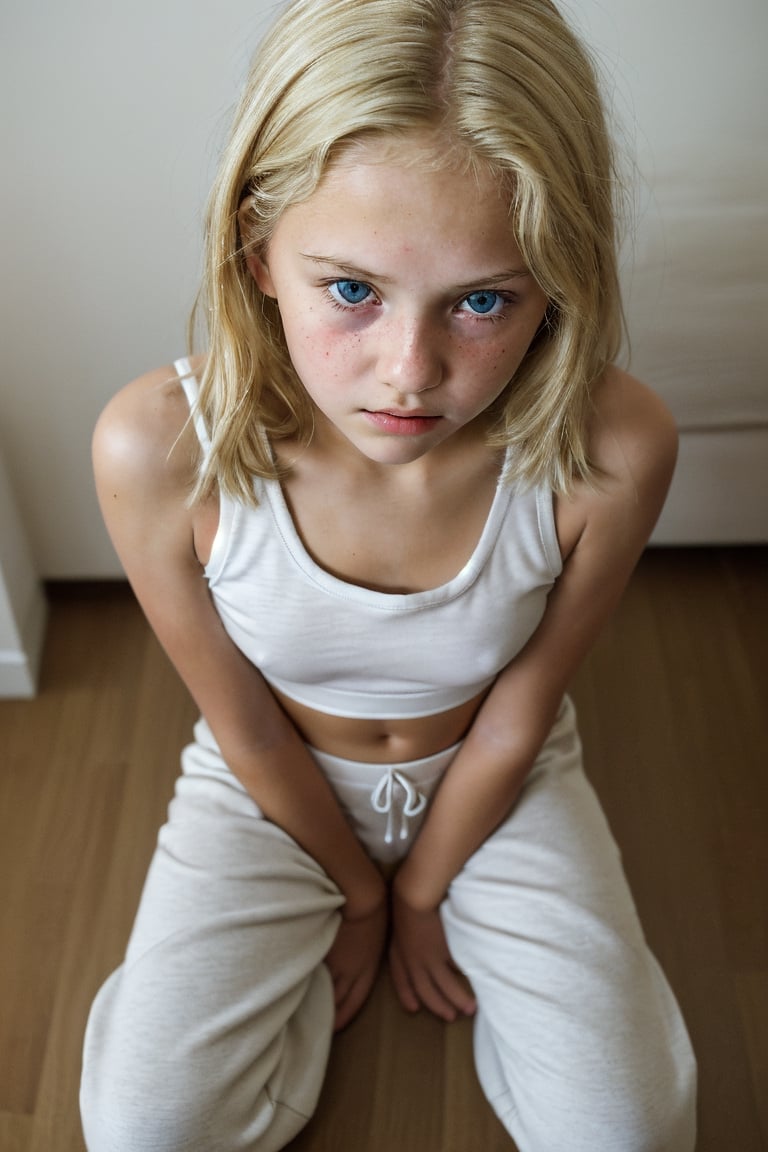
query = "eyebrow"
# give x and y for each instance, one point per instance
(363, 274)
(349, 269)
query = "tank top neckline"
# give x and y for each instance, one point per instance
(316, 574)
(336, 586)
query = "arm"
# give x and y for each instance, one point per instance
(602, 531)
(144, 461)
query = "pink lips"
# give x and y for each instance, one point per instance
(403, 423)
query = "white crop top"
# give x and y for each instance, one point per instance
(349, 651)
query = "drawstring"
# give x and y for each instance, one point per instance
(383, 797)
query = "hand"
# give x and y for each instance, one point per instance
(421, 965)
(353, 962)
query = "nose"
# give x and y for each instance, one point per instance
(410, 357)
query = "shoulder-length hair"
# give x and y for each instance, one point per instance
(509, 85)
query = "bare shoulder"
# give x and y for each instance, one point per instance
(633, 446)
(602, 526)
(145, 462)
(143, 437)
(633, 436)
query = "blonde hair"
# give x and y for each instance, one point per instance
(510, 86)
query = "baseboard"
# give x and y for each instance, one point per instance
(719, 494)
(20, 667)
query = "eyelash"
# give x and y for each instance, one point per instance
(506, 299)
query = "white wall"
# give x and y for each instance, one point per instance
(112, 117)
(113, 113)
(691, 96)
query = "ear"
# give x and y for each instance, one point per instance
(256, 264)
(258, 268)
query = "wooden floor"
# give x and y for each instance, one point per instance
(674, 715)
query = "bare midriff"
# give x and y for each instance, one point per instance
(379, 741)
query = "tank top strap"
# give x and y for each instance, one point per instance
(190, 384)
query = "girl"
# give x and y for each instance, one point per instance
(376, 527)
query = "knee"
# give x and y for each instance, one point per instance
(655, 1106)
(665, 1117)
(144, 1105)
(154, 1083)
(174, 1111)
(131, 1098)
(618, 1116)
(631, 1100)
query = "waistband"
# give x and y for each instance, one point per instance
(400, 791)
(354, 769)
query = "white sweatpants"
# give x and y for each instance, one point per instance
(215, 1031)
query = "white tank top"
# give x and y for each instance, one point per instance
(350, 651)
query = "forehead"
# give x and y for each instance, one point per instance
(425, 154)
(407, 192)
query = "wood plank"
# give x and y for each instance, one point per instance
(752, 996)
(383, 1056)
(677, 748)
(469, 1120)
(673, 706)
(50, 797)
(15, 1132)
(136, 789)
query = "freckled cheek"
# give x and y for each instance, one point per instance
(487, 370)
(486, 365)
(509, 355)
(320, 351)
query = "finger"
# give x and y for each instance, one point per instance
(341, 987)
(348, 1006)
(402, 983)
(431, 996)
(415, 987)
(443, 989)
(454, 987)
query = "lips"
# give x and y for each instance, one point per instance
(411, 423)
(405, 414)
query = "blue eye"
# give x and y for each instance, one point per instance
(484, 302)
(349, 291)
